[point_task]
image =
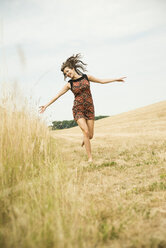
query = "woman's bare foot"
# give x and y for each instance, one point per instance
(90, 160)
(82, 143)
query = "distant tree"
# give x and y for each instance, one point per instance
(71, 123)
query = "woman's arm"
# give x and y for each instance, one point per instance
(104, 81)
(63, 91)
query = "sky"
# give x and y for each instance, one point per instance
(115, 37)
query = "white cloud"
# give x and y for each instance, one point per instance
(116, 38)
(60, 21)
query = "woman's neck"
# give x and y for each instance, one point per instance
(76, 76)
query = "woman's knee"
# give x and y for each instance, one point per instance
(90, 136)
(86, 132)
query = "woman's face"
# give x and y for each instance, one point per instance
(69, 72)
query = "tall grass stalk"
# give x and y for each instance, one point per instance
(43, 203)
(50, 198)
(33, 179)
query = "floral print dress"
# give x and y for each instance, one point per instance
(83, 103)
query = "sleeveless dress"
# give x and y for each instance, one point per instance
(83, 103)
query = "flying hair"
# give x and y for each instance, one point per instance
(74, 62)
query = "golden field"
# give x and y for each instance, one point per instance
(51, 197)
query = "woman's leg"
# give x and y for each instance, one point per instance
(84, 127)
(90, 124)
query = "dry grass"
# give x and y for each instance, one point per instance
(123, 193)
(51, 197)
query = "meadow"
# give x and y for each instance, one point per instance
(51, 197)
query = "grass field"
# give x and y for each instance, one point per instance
(51, 197)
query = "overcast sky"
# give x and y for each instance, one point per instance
(116, 38)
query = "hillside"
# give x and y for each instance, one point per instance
(149, 120)
(51, 197)
(125, 187)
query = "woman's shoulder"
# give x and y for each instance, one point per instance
(86, 76)
(81, 77)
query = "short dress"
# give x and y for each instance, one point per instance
(83, 103)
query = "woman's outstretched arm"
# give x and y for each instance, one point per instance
(105, 81)
(63, 91)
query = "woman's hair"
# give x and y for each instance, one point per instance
(74, 62)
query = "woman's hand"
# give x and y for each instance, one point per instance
(121, 79)
(42, 109)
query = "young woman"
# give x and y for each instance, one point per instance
(83, 108)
